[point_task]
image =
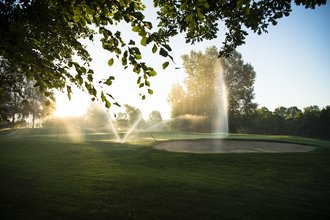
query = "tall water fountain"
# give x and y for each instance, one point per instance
(220, 123)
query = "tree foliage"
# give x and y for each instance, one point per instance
(42, 38)
(20, 100)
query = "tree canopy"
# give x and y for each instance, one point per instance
(41, 39)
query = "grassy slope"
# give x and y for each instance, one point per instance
(47, 176)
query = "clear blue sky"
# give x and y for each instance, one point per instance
(292, 63)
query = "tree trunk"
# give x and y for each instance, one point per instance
(13, 120)
(33, 120)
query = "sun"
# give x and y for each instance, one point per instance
(77, 106)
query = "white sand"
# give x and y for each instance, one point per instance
(231, 146)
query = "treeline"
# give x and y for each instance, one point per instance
(309, 122)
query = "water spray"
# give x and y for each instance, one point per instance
(131, 129)
(114, 130)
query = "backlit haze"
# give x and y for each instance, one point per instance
(292, 63)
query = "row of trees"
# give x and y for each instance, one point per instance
(311, 122)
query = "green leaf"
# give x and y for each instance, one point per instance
(138, 56)
(68, 89)
(107, 104)
(131, 42)
(76, 16)
(152, 73)
(108, 82)
(117, 34)
(103, 97)
(110, 96)
(154, 48)
(124, 61)
(165, 65)
(135, 28)
(117, 104)
(163, 52)
(94, 92)
(138, 15)
(144, 41)
(148, 25)
(137, 69)
(141, 85)
(143, 97)
(167, 47)
(150, 91)
(90, 77)
(139, 80)
(110, 62)
(147, 83)
(117, 50)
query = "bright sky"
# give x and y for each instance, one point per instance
(292, 63)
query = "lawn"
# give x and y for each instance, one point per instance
(46, 175)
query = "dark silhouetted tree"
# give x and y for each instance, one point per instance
(310, 121)
(19, 98)
(325, 122)
(155, 117)
(96, 116)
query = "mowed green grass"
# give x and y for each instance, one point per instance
(44, 175)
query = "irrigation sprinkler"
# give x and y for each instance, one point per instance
(154, 138)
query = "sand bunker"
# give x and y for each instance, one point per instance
(230, 146)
